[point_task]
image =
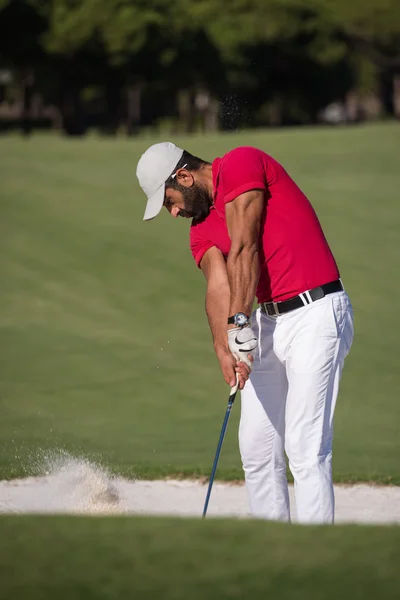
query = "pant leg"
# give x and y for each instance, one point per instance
(262, 425)
(321, 341)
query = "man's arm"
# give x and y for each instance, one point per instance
(217, 308)
(243, 217)
(217, 296)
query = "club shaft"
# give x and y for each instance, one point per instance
(220, 442)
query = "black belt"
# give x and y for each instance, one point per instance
(279, 308)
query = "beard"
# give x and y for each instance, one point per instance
(197, 202)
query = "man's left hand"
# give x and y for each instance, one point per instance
(242, 343)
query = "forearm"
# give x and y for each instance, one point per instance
(243, 270)
(217, 309)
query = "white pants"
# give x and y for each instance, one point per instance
(288, 405)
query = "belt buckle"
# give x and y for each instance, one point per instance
(275, 309)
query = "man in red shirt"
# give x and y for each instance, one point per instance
(254, 233)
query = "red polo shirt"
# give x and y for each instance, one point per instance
(294, 254)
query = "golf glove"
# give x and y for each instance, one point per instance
(242, 341)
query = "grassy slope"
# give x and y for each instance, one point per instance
(87, 558)
(104, 346)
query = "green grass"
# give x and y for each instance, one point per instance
(104, 344)
(116, 557)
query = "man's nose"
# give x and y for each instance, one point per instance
(175, 212)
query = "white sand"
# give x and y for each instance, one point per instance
(78, 486)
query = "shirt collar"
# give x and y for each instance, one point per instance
(216, 167)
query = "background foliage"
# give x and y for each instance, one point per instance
(200, 65)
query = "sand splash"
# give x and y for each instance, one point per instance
(84, 485)
(71, 485)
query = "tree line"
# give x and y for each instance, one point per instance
(197, 64)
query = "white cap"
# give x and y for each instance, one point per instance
(153, 169)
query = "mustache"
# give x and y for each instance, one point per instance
(186, 214)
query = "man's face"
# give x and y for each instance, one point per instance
(192, 202)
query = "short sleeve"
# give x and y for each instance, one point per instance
(199, 243)
(242, 170)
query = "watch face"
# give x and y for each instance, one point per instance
(241, 319)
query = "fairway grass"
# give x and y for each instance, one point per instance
(105, 351)
(174, 559)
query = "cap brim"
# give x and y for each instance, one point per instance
(154, 204)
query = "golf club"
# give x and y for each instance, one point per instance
(231, 400)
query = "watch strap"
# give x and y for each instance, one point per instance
(233, 320)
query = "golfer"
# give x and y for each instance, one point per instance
(254, 233)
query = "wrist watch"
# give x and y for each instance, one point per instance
(239, 319)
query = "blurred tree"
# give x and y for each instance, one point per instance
(148, 43)
(21, 51)
(371, 26)
(277, 56)
(371, 29)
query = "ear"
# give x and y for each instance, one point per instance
(185, 177)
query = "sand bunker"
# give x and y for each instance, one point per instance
(78, 486)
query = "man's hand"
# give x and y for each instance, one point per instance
(230, 366)
(243, 342)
